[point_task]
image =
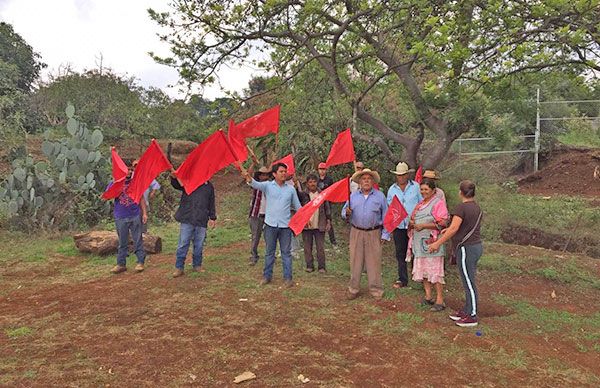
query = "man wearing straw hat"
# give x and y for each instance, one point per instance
(365, 211)
(409, 195)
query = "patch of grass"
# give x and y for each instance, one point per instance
(499, 263)
(581, 134)
(551, 273)
(17, 332)
(395, 324)
(552, 321)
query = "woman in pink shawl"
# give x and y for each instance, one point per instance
(428, 218)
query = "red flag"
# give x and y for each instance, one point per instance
(119, 169)
(289, 162)
(237, 142)
(419, 175)
(337, 192)
(342, 150)
(152, 163)
(395, 215)
(261, 124)
(210, 156)
(119, 172)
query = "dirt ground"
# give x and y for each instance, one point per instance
(568, 171)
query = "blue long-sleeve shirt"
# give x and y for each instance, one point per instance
(367, 212)
(409, 198)
(280, 201)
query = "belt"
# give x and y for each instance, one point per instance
(367, 229)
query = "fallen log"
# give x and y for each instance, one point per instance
(106, 243)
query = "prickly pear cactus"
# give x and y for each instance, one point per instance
(76, 169)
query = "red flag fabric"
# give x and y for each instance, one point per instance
(394, 216)
(237, 142)
(210, 156)
(289, 162)
(419, 175)
(114, 190)
(152, 163)
(342, 150)
(119, 172)
(337, 192)
(119, 169)
(261, 124)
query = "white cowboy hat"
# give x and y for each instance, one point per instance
(402, 169)
(356, 176)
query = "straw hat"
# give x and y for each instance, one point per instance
(432, 174)
(264, 170)
(357, 175)
(402, 169)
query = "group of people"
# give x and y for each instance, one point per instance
(419, 238)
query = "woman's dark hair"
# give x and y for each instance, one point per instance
(467, 188)
(277, 165)
(429, 182)
(312, 177)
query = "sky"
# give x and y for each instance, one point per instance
(78, 32)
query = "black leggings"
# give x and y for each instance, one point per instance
(467, 258)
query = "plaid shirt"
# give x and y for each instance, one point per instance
(257, 197)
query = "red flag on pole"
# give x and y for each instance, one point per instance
(260, 124)
(152, 163)
(237, 142)
(394, 216)
(119, 172)
(210, 156)
(342, 150)
(337, 192)
(419, 175)
(289, 162)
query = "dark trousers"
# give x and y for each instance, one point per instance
(308, 235)
(124, 226)
(256, 228)
(332, 239)
(467, 258)
(284, 235)
(401, 244)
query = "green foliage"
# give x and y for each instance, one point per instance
(17, 332)
(63, 192)
(15, 51)
(427, 59)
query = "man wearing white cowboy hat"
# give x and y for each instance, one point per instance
(433, 174)
(365, 211)
(409, 194)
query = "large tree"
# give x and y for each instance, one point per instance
(437, 54)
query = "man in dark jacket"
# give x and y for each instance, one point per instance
(196, 211)
(323, 182)
(316, 227)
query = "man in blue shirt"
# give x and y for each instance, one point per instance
(365, 211)
(281, 199)
(409, 195)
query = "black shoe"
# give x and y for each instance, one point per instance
(438, 307)
(427, 302)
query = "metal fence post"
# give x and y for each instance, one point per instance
(536, 149)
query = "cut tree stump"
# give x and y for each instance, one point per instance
(106, 243)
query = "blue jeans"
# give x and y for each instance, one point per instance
(187, 234)
(124, 226)
(284, 235)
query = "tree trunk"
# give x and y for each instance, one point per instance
(437, 153)
(106, 243)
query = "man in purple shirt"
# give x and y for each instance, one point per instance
(127, 219)
(365, 211)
